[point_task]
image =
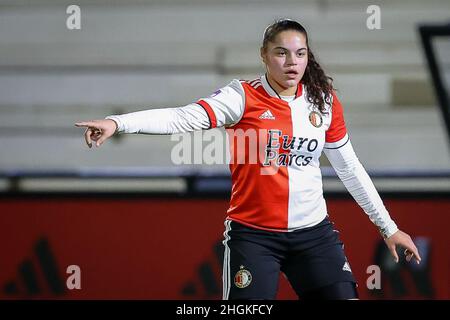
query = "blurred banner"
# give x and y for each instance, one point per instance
(171, 248)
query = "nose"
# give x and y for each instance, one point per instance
(291, 59)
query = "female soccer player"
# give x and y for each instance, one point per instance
(277, 219)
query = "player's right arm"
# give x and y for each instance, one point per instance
(224, 107)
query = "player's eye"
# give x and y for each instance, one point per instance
(281, 53)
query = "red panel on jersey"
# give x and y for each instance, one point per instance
(210, 112)
(337, 128)
(299, 90)
(259, 199)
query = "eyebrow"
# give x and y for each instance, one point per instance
(287, 49)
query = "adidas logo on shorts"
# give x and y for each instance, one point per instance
(346, 267)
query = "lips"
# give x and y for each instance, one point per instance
(291, 73)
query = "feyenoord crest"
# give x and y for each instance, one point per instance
(243, 278)
(316, 119)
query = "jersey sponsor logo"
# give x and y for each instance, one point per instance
(273, 155)
(316, 119)
(267, 115)
(243, 278)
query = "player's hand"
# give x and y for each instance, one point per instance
(97, 130)
(404, 240)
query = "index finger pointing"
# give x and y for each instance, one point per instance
(85, 124)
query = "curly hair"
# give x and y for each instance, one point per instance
(318, 85)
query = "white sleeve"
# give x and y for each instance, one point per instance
(163, 121)
(225, 107)
(355, 178)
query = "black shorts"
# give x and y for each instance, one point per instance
(311, 258)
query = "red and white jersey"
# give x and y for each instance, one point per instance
(295, 134)
(290, 138)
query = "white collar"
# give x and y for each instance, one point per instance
(268, 87)
(271, 91)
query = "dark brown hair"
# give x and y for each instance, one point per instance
(319, 86)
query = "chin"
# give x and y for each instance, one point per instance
(291, 82)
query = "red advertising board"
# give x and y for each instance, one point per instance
(170, 248)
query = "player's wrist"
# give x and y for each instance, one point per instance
(389, 231)
(116, 123)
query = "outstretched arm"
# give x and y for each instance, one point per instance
(358, 183)
(224, 107)
(157, 121)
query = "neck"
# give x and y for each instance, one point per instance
(280, 90)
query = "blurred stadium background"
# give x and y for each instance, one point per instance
(141, 227)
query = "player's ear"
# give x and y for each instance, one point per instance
(262, 52)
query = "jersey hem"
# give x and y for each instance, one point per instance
(273, 229)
